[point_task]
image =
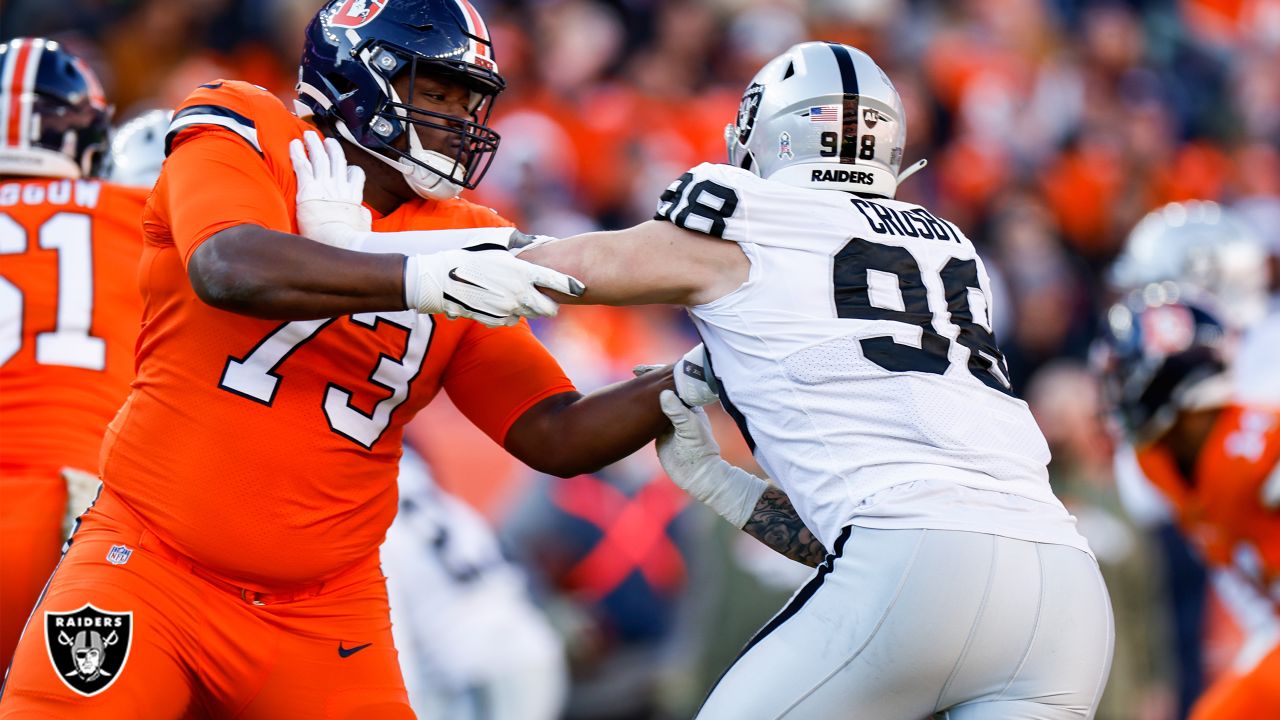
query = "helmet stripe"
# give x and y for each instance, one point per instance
(11, 83)
(6, 84)
(848, 76)
(27, 98)
(849, 81)
(96, 95)
(476, 26)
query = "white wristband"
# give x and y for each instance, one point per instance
(412, 280)
(425, 242)
(730, 491)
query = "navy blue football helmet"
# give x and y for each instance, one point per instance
(54, 119)
(1160, 352)
(355, 49)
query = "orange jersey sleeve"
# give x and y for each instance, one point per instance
(217, 175)
(493, 389)
(69, 316)
(1231, 508)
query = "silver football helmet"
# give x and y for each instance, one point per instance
(822, 115)
(1203, 244)
(137, 149)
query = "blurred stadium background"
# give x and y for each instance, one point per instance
(1051, 127)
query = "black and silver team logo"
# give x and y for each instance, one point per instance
(747, 111)
(88, 647)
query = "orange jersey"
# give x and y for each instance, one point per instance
(1231, 507)
(267, 451)
(69, 313)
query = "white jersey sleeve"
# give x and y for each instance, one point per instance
(859, 354)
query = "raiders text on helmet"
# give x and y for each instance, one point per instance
(53, 116)
(355, 49)
(821, 115)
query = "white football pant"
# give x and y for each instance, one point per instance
(914, 622)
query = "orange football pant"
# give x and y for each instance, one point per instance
(31, 510)
(200, 647)
(1248, 696)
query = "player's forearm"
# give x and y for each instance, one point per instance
(258, 272)
(653, 262)
(572, 434)
(775, 523)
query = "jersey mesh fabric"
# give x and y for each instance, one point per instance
(54, 407)
(285, 475)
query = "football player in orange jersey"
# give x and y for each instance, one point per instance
(1215, 459)
(69, 308)
(230, 566)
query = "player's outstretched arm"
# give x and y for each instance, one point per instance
(236, 263)
(250, 270)
(571, 434)
(690, 455)
(653, 262)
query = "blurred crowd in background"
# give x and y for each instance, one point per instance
(1051, 128)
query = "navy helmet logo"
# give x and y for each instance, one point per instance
(88, 647)
(356, 13)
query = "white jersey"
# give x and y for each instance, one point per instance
(859, 357)
(1256, 380)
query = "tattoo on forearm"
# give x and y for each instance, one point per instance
(775, 523)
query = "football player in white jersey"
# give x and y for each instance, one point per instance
(850, 336)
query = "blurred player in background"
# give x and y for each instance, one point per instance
(612, 554)
(472, 644)
(137, 149)
(69, 309)
(231, 558)
(1206, 246)
(1214, 457)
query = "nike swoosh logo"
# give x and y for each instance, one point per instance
(348, 652)
(453, 275)
(461, 304)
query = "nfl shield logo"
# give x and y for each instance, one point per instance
(88, 647)
(119, 554)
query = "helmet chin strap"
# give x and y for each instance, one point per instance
(423, 182)
(916, 167)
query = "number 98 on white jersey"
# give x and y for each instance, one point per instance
(859, 354)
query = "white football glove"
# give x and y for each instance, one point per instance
(329, 193)
(691, 457)
(489, 286)
(519, 242)
(694, 385)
